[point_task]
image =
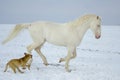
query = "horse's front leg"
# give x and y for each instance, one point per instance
(67, 63)
(71, 54)
(62, 60)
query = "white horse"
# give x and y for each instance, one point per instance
(67, 34)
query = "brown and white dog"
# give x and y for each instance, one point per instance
(21, 62)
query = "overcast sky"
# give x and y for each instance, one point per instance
(22, 11)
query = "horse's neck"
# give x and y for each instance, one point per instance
(79, 21)
(81, 25)
(82, 30)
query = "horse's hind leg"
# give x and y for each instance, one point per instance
(32, 46)
(41, 55)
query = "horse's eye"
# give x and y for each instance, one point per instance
(98, 25)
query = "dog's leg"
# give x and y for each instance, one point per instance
(28, 66)
(14, 70)
(19, 70)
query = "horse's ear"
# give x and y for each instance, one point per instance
(97, 17)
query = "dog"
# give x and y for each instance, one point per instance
(21, 62)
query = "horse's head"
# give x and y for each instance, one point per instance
(95, 26)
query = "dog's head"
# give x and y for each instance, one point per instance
(27, 57)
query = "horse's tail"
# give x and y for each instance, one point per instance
(15, 32)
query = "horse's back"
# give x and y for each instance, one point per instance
(47, 30)
(47, 26)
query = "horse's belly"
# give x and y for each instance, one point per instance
(63, 40)
(59, 42)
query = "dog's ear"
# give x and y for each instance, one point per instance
(25, 53)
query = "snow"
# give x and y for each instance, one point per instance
(97, 59)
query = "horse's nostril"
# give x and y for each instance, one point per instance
(97, 37)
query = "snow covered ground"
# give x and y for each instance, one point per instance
(96, 59)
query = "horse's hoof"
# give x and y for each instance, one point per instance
(68, 70)
(61, 60)
(46, 64)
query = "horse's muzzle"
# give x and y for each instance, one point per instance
(97, 37)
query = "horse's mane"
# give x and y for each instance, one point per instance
(81, 20)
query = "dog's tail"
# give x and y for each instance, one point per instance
(15, 32)
(6, 67)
